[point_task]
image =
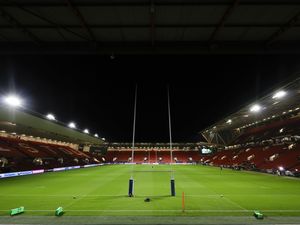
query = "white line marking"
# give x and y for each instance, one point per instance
(157, 210)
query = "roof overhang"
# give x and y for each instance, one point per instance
(271, 109)
(21, 122)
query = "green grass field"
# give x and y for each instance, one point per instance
(102, 191)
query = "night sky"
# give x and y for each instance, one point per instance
(97, 92)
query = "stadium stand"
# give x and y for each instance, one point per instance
(22, 155)
(153, 153)
(262, 136)
(266, 148)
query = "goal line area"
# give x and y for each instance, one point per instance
(161, 210)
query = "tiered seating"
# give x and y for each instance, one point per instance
(286, 159)
(258, 156)
(265, 148)
(96, 157)
(19, 147)
(23, 155)
(8, 151)
(152, 156)
(275, 129)
(117, 156)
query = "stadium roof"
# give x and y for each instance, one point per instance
(283, 102)
(149, 26)
(21, 122)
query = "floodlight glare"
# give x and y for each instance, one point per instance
(255, 108)
(279, 94)
(50, 116)
(96, 135)
(86, 131)
(72, 125)
(13, 100)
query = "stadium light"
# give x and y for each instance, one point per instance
(13, 100)
(96, 135)
(255, 108)
(72, 125)
(103, 139)
(279, 94)
(86, 131)
(50, 117)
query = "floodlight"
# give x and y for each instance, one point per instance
(255, 108)
(103, 139)
(86, 131)
(13, 100)
(279, 94)
(50, 116)
(96, 135)
(72, 125)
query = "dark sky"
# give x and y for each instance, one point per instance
(98, 93)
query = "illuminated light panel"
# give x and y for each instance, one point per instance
(86, 131)
(72, 125)
(50, 116)
(255, 108)
(279, 94)
(13, 100)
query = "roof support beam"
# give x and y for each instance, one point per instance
(137, 26)
(225, 16)
(16, 24)
(83, 22)
(5, 3)
(32, 13)
(285, 27)
(152, 23)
